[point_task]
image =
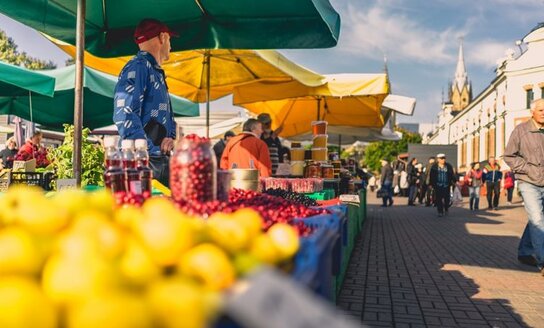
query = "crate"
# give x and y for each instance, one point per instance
(27, 178)
(4, 183)
(326, 194)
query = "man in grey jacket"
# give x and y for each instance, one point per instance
(525, 156)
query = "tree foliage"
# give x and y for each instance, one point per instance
(10, 54)
(389, 150)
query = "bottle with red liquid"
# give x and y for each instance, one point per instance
(113, 173)
(142, 165)
(133, 183)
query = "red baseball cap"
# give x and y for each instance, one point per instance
(149, 28)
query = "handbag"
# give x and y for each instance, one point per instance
(508, 182)
(381, 193)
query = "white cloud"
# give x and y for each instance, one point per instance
(485, 53)
(376, 30)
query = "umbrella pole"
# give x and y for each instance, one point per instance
(207, 63)
(318, 107)
(78, 97)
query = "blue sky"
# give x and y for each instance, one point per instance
(420, 39)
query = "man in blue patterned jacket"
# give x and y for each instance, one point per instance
(142, 107)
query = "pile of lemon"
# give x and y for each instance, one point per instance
(75, 260)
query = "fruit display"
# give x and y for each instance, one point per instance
(271, 208)
(292, 196)
(75, 259)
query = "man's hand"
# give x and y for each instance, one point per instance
(167, 145)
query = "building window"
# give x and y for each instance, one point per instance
(530, 96)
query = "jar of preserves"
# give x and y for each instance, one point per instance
(193, 170)
(327, 171)
(312, 170)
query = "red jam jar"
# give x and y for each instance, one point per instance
(193, 170)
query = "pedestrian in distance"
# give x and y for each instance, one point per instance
(524, 154)
(508, 185)
(412, 178)
(492, 178)
(386, 182)
(142, 107)
(442, 178)
(219, 146)
(429, 193)
(473, 179)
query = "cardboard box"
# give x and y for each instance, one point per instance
(25, 166)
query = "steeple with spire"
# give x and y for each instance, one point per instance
(461, 88)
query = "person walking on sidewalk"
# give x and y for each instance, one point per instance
(474, 182)
(412, 178)
(442, 178)
(492, 178)
(428, 192)
(524, 154)
(508, 184)
(386, 182)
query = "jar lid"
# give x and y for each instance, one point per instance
(319, 122)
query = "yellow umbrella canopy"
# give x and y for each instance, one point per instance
(187, 76)
(345, 100)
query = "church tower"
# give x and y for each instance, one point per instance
(460, 92)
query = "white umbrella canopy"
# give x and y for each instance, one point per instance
(220, 122)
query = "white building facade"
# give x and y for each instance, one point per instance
(483, 127)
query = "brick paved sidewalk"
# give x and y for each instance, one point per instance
(411, 268)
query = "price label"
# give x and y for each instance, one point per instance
(350, 199)
(270, 299)
(66, 184)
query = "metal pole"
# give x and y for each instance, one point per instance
(207, 63)
(318, 107)
(78, 99)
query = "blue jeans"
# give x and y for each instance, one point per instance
(474, 193)
(388, 186)
(412, 192)
(532, 240)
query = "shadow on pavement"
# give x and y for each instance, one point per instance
(412, 268)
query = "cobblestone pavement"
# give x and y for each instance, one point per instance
(411, 268)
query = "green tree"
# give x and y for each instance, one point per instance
(389, 150)
(10, 54)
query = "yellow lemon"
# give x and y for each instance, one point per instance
(228, 233)
(102, 200)
(23, 305)
(210, 265)
(251, 219)
(126, 215)
(137, 266)
(19, 254)
(264, 250)
(285, 239)
(111, 310)
(177, 303)
(69, 280)
(164, 231)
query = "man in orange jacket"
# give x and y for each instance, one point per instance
(247, 150)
